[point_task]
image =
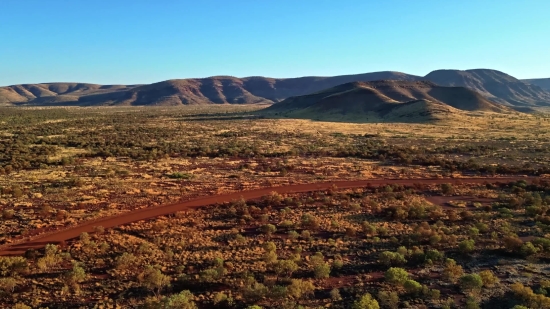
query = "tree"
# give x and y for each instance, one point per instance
(285, 267)
(471, 283)
(396, 275)
(73, 278)
(366, 302)
(452, 271)
(299, 288)
(153, 279)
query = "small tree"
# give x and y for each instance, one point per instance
(366, 302)
(396, 275)
(73, 278)
(285, 267)
(153, 279)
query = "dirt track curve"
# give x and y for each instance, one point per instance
(148, 213)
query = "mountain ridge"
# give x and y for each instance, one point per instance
(494, 85)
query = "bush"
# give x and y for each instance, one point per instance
(389, 299)
(466, 246)
(321, 271)
(452, 271)
(471, 282)
(528, 249)
(412, 287)
(488, 278)
(447, 188)
(366, 302)
(396, 275)
(389, 258)
(300, 288)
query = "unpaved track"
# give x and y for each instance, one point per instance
(148, 213)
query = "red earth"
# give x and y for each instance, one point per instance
(60, 236)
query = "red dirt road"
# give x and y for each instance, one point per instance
(148, 213)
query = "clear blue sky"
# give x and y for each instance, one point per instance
(139, 41)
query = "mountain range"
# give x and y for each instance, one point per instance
(491, 84)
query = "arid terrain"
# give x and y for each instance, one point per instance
(219, 206)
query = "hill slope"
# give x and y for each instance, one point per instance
(385, 100)
(543, 83)
(494, 85)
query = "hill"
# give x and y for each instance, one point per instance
(212, 90)
(543, 83)
(387, 100)
(494, 85)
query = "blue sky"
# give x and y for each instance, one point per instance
(138, 41)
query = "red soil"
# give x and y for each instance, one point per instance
(148, 213)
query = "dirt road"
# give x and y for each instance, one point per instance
(148, 213)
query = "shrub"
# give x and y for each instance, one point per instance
(452, 271)
(488, 278)
(321, 271)
(396, 275)
(528, 249)
(182, 300)
(412, 287)
(366, 302)
(389, 258)
(471, 282)
(447, 188)
(389, 299)
(335, 295)
(300, 288)
(466, 246)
